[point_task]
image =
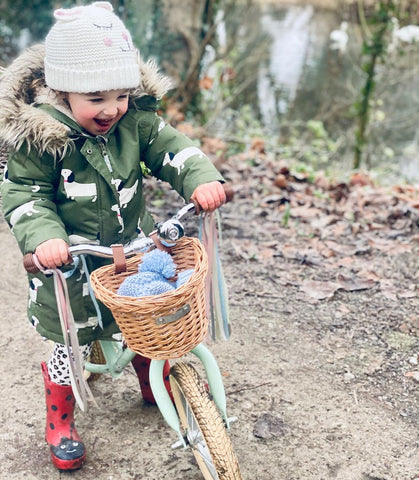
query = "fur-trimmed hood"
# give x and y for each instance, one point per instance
(22, 87)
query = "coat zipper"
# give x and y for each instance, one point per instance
(102, 142)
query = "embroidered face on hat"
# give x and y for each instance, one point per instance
(90, 50)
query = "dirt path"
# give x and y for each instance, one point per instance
(319, 386)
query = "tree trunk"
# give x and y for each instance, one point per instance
(189, 28)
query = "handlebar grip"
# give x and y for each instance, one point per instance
(228, 189)
(29, 263)
(229, 192)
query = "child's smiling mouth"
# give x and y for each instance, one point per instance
(103, 123)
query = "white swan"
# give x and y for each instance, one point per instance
(339, 38)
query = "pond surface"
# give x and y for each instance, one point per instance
(307, 76)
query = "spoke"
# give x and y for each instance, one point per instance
(203, 426)
(197, 441)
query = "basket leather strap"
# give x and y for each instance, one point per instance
(159, 244)
(119, 258)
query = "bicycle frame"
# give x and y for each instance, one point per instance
(118, 357)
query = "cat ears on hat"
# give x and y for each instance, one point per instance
(70, 14)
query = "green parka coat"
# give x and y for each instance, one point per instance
(61, 182)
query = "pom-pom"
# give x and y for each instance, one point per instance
(159, 262)
(155, 269)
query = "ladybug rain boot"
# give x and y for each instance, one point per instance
(67, 450)
(142, 369)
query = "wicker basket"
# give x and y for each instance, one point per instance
(160, 326)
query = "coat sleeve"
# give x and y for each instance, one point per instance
(28, 194)
(174, 158)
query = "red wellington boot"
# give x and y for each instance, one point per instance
(67, 450)
(142, 369)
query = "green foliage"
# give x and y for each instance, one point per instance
(308, 143)
(374, 48)
(317, 129)
(145, 170)
(17, 15)
(306, 169)
(35, 16)
(286, 216)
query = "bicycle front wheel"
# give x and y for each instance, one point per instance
(204, 427)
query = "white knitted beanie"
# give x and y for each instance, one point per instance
(90, 50)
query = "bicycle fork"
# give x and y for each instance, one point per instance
(163, 400)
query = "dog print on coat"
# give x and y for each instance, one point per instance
(79, 239)
(35, 188)
(74, 189)
(91, 322)
(27, 209)
(116, 209)
(34, 321)
(34, 284)
(6, 175)
(138, 229)
(178, 160)
(125, 194)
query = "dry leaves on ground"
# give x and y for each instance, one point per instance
(333, 233)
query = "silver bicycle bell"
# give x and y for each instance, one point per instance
(170, 231)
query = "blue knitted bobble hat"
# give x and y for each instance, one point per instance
(154, 272)
(159, 262)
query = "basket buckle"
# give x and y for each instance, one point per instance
(173, 317)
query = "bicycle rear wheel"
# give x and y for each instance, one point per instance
(203, 425)
(97, 357)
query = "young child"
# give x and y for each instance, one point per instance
(78, 115)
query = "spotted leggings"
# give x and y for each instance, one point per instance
(59, 366)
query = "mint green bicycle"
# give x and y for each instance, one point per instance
(167, 327)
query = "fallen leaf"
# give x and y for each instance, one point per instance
(406, 294)
(341, 248)
(281, 181)
(341, 228)
(319, 290)
(258, 144)
(324, 221)
(266, 253)
(360, 178)
(211, 145)
(269, 426)
(345, 262)
(388, 246)
(414, 375)
(289, 252)
(206, 83)
(174, 113)
(305, 212)
(322, 182)
(187, 128)
(353, 283)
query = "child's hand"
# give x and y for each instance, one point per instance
(53, 253)
(209, 196)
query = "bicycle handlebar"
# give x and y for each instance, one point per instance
(166, 233)
(229, 192)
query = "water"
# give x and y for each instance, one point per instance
(304, 78)
(279, 79)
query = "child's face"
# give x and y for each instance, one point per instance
(97, 112)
